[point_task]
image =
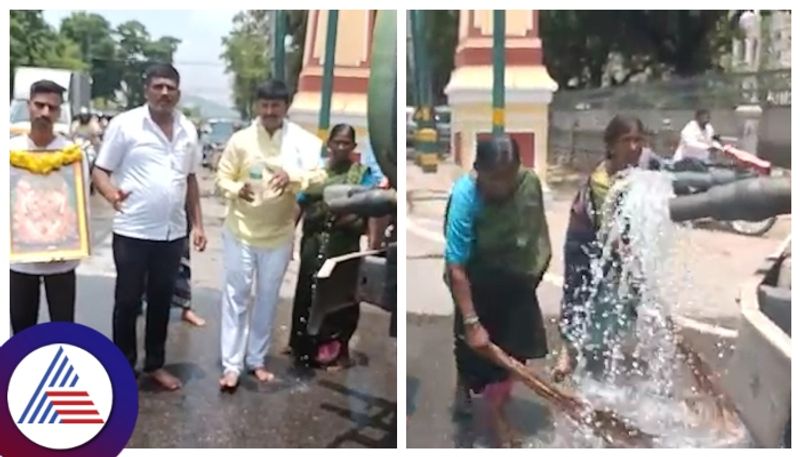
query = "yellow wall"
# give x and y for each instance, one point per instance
(471, 119)
(352, 36)
(352, 50)
(518, 22)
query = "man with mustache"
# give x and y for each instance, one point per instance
(260, 172)
(44, 109)
(153, 153)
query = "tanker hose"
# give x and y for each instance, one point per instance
(360, 200)
(753, 199)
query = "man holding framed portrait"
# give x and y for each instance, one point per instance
(49, 220)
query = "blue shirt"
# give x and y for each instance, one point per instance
(465, 202)
(368, 160)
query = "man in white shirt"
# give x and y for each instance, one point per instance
(153, 154)
(44, 108)
(697, 138)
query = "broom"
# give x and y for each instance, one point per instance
(604, 424)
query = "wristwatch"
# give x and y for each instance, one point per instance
(471, 320)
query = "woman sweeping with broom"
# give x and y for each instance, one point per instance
(497, 251)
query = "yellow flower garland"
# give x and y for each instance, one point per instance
(43, 163)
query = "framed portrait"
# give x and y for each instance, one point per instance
(49, 220)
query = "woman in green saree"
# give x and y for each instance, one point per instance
(323, 237)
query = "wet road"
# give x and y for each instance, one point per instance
(720, 262)
(354, 408)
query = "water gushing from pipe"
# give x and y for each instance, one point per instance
(639, 276)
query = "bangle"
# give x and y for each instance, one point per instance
(471, 320)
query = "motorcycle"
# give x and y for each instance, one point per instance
(212, 152)
(90, 152)
(733, 164)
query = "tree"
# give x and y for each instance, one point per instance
(35, 43)
(580, 46)
(93, 33)
(441, 38)
(30, 36)
(64, 53)
(441, 33)
(115, 58)
(298, 21)
(247, 56)
(136, 52)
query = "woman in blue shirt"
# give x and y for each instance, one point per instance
(497, 251)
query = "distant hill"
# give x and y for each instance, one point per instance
(208, 108)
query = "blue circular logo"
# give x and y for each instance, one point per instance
(70, 392)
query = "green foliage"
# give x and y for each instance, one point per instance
(115, 58)
(579, 45)
(248, 51)
(246, 54)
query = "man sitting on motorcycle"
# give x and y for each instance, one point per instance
(86, 127)
(698, 139)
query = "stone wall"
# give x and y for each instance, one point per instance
(577, 136)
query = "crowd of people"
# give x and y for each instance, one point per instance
(272, 174)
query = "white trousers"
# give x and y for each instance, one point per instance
(246, 328)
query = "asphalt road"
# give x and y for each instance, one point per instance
(354, 408)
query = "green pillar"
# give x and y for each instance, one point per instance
(425, 138)
(499, 73)
(327, 78)
(279, 49)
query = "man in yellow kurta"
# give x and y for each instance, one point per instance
(260, 172)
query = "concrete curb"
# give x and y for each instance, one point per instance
(761, 370)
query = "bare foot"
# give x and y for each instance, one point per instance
(192, 318)
(229, 381)
(263, 375)
(563, 367)
(505, 435)
(165, 379)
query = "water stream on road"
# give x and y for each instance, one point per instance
(639, 276)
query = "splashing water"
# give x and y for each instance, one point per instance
(639, 275)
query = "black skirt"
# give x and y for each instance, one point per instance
(508, 309)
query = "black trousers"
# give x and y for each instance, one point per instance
(149, 267)
(25, 298)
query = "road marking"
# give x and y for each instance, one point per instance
(558, 281)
